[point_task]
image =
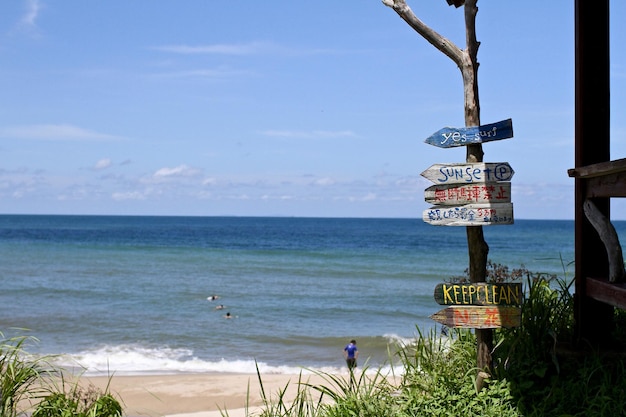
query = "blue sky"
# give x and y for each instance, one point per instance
(284, 108)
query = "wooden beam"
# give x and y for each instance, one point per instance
(606, 292)
(607, 186)
(604, 179)
(599, 169)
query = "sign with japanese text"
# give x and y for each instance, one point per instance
(455, 194)
(470, 215)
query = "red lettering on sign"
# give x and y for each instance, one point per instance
(492, 318)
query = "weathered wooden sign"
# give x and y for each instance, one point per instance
(449, 137)
(468, 173)
(470, 215)
(455, 194)
(479, 317)
(479, 294)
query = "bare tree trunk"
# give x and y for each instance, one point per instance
(476, 244)
(467, 62)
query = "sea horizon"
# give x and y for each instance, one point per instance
(287, 216)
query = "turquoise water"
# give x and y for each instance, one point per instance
(129, 294)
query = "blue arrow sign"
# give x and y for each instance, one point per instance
(449, 137)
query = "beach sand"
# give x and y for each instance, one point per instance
(198, 395)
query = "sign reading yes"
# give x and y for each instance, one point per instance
(449, 137)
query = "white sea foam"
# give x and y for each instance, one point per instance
(138, 360)
(399, 340)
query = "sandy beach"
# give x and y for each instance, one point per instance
(197, 395)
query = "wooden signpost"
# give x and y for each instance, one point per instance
(449, 137)
(469, 173)
(455, 194)
(479, 317)
(473, 194)
(479, 294)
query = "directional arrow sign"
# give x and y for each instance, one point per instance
(479, 317)
(449, 137)
(479, 294)
(470, 215)
(455, 194)
(459, 173)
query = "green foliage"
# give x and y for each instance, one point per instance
(496, 274)
(544, 377)
(18, 374)
(362, 395)
(303, 405)
(78, 402)
(440, 375)
(56, 405)
(528, 352)
(25, 380)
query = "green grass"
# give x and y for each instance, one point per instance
(31, 385)
(19, 375)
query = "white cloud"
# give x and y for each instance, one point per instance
(324, 181)
(179, 171)
(103, 164)
(54, 132)
(29, 19)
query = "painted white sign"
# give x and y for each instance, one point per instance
(464, 173)
(470, 215)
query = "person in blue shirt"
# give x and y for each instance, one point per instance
(351, 353)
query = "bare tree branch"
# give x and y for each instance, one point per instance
(441, 43)
(470, 71)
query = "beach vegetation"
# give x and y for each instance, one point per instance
(534, 372)
(19, 374)
(74, 400)
(31, 385)
(303, 404)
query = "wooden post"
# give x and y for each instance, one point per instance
(592, 107)
(477, 246)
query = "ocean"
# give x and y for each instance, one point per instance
(131, 294)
